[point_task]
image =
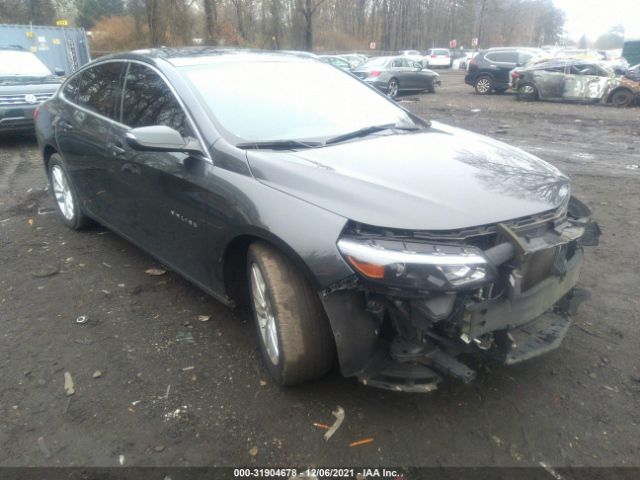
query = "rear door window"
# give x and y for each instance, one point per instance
(503, 57)
(148, 101)
(98, 88)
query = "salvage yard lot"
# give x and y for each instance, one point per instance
(175, 390)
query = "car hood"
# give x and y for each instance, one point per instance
(440, 179)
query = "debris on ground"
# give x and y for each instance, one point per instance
(46, 271)
(82, 319)
(633, 167)
(364, 441)
(97, 374)
(253, 451)
(156, 272)
(176, 414)
(121, 459)
(323, 426)
(68, 384)
(263, 383)
(42, 445)
(166, 394)
(186, 369)
(158, 448)
(185, 337)
(204, 318)
(339, 414)
(551, 471)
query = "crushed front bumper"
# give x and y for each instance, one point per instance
(408, 342)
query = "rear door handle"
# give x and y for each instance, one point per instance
(131, 169)
(66, 126)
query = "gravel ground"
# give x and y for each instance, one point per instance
(174, 390)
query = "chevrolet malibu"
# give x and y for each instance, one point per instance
(356, 231)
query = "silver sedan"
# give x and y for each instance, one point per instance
(394, 75)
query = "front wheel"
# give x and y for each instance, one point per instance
(295, 338)
(393, 88)
(484, 85)
(527, 92)
(65, 195)
(622, 98)
(433, 85)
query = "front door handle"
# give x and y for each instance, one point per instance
(117, 150)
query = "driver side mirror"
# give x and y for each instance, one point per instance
(160, 138)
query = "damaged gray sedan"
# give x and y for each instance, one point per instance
(573, 80)
(354, 229)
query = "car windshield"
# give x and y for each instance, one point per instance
(21, 63)
(266, 101)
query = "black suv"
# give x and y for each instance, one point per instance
(489, 70)
(25, 82)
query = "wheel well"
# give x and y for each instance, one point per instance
(46, 155)
(234, 266)
(483, 74)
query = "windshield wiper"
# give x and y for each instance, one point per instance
(363, 132)
(278, 145)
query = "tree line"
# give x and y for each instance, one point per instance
(321, 25)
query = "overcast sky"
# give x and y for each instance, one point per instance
(595, 17)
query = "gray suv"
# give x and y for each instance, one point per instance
(25, 82)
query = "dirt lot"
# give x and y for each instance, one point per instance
(178, 391)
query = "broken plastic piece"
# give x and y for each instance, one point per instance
(364, 441)
(68, 384)
(156, 272)
(339, 414)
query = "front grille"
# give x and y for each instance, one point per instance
(19, 100)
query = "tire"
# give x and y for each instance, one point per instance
(527, 92)
(393, 88)
(65, 196)
(432, 87)
(622, 98)
(305, 347)
(483, 85)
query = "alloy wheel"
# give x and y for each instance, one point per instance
(265, 314)
(393, 88)
(483, 85)
(62, 192)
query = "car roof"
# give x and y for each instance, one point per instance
(203, 55)
(561, 62)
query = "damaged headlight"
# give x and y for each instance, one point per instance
(414, 265)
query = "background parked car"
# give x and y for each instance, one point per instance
(489, 70)
(394, 75)
(25, 82)
(336, 61)
(631, 51)
(574, 80)
(438, 57)
(414, 55)
(354, 59)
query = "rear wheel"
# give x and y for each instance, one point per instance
(65, 195)
(393, 88)
(527, 92)
(295, 339)
(484, 84)
(622, 98)
(433, 85)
